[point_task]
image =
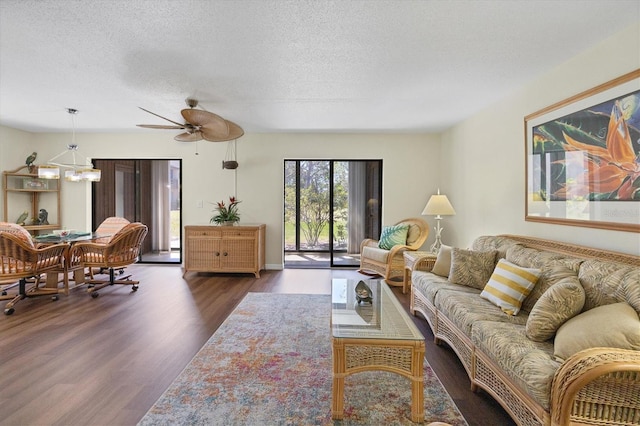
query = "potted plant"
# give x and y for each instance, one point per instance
(226, 215)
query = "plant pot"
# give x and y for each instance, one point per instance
(229, 223)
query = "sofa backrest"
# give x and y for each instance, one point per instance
(493, 242)
(607, 277)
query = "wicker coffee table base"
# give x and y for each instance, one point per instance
(404, 357)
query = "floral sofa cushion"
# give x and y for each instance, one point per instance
(472, 268)
(629, 289)
(429, 284)
(464, 309)
(554, 267)
(561, 302)
(491, 242)
(530, 364)
(601, 281)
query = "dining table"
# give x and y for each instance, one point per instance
(53, 278)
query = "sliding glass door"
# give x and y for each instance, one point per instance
(330, 207)
(147, 191)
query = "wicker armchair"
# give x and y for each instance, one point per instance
(390, 263)
(20, 260)
(122, 250)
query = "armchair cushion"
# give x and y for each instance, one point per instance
(375, 254)
(393, 235)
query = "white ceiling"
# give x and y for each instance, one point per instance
(284, 66)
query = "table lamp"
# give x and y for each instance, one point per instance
(438, 206)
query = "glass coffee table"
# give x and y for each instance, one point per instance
(375, 336)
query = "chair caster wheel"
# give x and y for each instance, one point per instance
(4, 293)
(134, 288)
(54, 298)
(94, 294)
(9, 311)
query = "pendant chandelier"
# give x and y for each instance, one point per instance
(83, 172)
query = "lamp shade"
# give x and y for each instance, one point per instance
(438, 205)
(48, 172)
(91, 175)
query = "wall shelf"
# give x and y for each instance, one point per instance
(23, 192)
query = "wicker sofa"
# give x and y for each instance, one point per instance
(594, 386)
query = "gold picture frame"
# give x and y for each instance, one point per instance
(582, 158)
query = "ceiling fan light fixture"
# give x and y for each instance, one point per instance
(200, 124)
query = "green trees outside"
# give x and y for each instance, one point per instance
(313, 201)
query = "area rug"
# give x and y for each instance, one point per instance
(270, 363)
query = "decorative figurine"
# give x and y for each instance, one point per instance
(30, 159)
(363, 293)
(42, 217)
(23, 217)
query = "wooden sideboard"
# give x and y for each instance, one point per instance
(224, 249)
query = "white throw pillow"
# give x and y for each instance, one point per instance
(611, 326)
(443, 262)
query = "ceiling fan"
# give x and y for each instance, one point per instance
(199, 124)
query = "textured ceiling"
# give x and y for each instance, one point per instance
(283, 66)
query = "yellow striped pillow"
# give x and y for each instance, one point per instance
(509, 285)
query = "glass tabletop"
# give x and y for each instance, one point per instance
(383, 318)
(71, 238)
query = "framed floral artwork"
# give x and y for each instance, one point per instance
(583, 158)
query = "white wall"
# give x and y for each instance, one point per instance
(483, 157)
(410, 172)
(15, 147)
(479, 163)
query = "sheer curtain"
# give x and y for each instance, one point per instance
(161, 198)
(357, 205)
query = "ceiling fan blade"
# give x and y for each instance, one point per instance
(189, 137)
(160, 126)
(164, 118)
(213, 123)
(235, 132)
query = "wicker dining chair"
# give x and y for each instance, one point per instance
(110, 227)
(21, 260)
(122, 250)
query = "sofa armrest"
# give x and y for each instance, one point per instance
(600, 384)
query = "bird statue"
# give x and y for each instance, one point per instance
(43, 217)
(30, 159)
(23, 217)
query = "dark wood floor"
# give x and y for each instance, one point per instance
(105, 361)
